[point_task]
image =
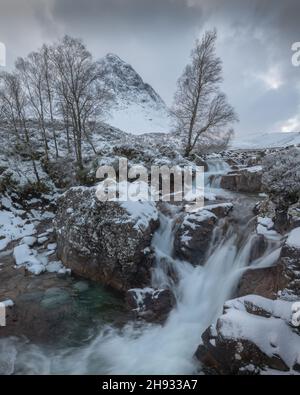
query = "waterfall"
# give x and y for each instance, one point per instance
(216, 168)
(143, 348)
(140, 348)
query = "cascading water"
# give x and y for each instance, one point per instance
(216, 168)
(140, 348)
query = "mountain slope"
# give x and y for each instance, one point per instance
(266, 140)
(138, 108)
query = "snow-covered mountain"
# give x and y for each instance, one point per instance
(138, 108)
(266, 140)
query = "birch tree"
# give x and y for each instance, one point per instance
(14, 111)
(80, 87)
(199, 106)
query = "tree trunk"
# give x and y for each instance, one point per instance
(35, 171)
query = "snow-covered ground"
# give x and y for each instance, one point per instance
(138, 118)
(265, 140)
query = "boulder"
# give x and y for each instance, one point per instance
(151, 304)
(247, 180)
(106, 241)
(254, 334)
(265, 282)
(193, 236)
(283, 277)
(290, 261)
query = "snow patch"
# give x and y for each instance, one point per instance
(141, 213)
(294, 238)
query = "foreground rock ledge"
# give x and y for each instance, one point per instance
(106, 241)
(254, 334)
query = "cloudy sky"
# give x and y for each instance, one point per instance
(156, 36)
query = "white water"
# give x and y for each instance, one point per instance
(216, 168)
(155, 349)
(151, 348)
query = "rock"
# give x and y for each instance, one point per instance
(290, 262)
(265, 282)
(252, 335)
(192, 238)
(284, 215)
(283, 277)
(265, 208)
(221, 210)
(246, 180)
(151, 304)
(128, 151)
(62, 171)
(105, 241)
(294, 215)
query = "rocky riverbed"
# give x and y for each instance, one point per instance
(151, 287)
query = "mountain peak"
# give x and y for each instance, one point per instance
(134, 99)
(112, 57)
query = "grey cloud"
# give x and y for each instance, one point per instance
(156, 36)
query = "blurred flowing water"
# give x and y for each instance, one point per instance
(141, 348)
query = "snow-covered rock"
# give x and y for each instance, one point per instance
(150, 304)
(13, 226)
(105, 241)
(280, 278)
(252, 331)
(244, 180)
(24, 256)
(193, 235)
(293, 239)
(265, 227)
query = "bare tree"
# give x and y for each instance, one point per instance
(49, 75)
(31, 73)
(199, 105)
(63, 110)
(79, 86)
(14, 111)
(59, 80)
